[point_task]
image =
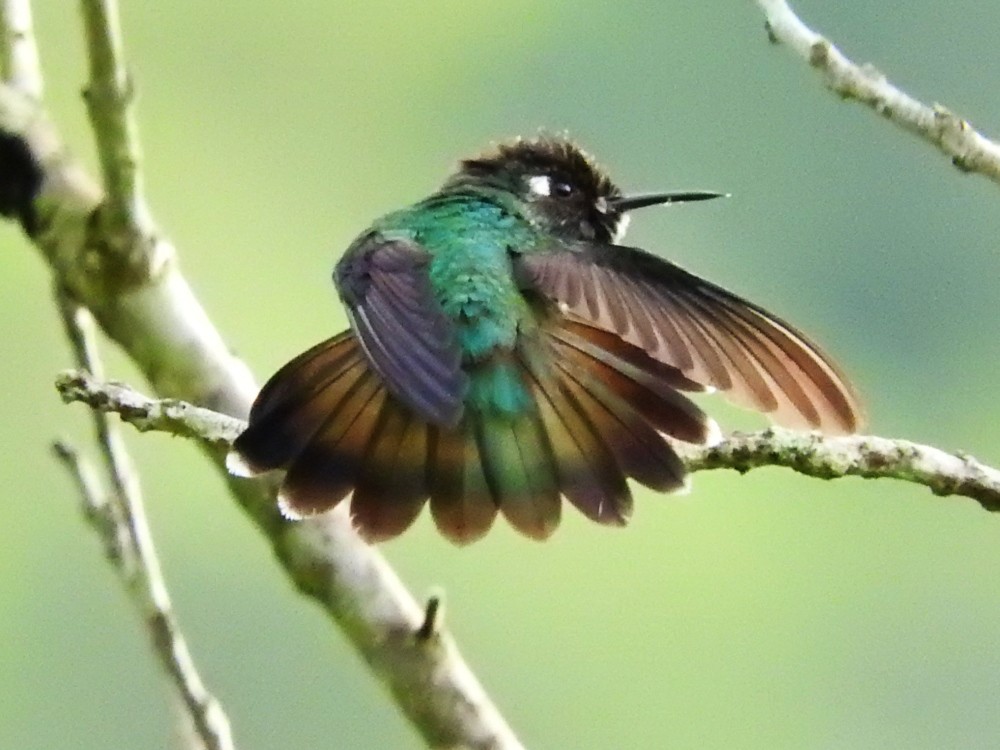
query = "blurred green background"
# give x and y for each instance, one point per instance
(766, 611)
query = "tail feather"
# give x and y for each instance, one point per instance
(638, 384)
(295, 402)
(326, 470)
(391, 485)
(640, 451)
(461, 500)
(589, 475)
(517, 464)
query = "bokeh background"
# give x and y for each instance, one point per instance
(765, 611)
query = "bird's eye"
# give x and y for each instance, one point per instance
(545, 186)
(562, 189)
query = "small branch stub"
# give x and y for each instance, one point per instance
(433, 618)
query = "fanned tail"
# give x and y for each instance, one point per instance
(597, 412)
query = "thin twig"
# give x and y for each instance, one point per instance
(968, 149)
(19, 65)
(79, 328)
(150, 415)
(866, 456)
(109, 95)
(808, 453)
(122, 523)
(105, 517)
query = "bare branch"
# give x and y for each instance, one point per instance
(104, 517)
(18, 53)
(145, 414)
(864, 456)
(121, 521)
(969, 150)
(109, 97)
(79, 327)
(807, 453)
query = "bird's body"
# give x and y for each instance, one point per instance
(467, 238)
(504, 353)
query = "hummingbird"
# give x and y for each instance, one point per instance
(506, 351)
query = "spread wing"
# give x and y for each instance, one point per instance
(408, 339)
(712, 336)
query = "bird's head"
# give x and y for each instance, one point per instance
(562, 187)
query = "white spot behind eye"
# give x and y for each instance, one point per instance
(540, 184)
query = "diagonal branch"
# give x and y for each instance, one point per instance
(969, 150)
(144, 304)
(121, 521)
(807, 453)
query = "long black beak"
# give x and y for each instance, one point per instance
(641, 201)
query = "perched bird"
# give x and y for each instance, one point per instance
(505, 351)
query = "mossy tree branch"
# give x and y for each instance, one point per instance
(807, 453)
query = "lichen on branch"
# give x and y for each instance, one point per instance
(808, 453)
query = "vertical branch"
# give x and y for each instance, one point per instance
(109, 96)
(19, 65)
(79, 327)
(122, 520)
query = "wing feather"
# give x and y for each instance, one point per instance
(411, 343)
(712, 336)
